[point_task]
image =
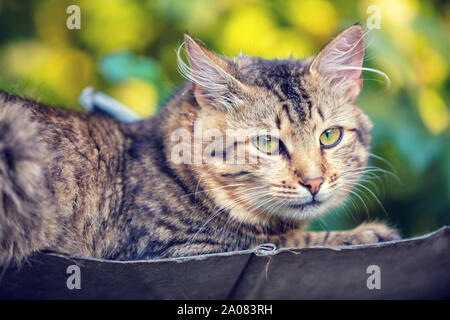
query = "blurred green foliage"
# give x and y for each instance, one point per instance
(127, 49)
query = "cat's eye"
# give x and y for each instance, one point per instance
(267, 144)
(330, 137)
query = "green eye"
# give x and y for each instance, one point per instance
(267, 144)
(331, 137)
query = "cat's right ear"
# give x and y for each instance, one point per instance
(210, 74)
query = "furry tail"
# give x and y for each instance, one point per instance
(23, 192)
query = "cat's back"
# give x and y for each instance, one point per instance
(81, 157)
(109, 190)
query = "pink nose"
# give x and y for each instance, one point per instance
(313, 184)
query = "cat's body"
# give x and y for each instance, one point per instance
(91, 186)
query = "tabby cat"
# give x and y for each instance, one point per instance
(92, 186)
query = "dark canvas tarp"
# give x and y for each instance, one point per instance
(413, 268)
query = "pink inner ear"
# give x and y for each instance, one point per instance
(337, 60)
(197, 60)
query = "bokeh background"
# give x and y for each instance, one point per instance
(127, 50)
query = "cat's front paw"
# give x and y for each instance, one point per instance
(367, 233)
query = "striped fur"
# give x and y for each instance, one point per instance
(91, 186)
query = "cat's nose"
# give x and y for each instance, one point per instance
(313, 184)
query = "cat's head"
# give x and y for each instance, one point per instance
(317, 141)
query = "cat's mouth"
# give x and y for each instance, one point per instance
(301, 206)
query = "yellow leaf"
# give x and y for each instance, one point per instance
(433, 111)
(318, 17)
(114, 25)
(138, 95)
(247, 30)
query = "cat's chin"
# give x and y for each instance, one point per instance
(302, 211)
(303, 206)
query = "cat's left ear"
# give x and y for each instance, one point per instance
(211, 76)
(340, 62)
